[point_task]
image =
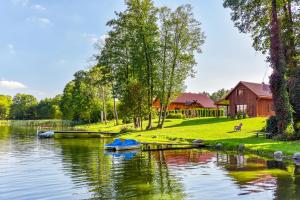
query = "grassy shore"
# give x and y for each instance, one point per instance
(35, 123)
(211, 130)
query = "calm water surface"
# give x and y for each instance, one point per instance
(80, 169)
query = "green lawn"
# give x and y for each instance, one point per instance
(211, 130)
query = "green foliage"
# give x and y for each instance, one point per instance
(5, 104)
(180, 39)
(271, 125)
(125, 129)
(278, 82)
(218, 95)
(175, 116)
(49, 108)
(199, 112)
(85, 97)
(151, 49)
(23, 107)
(239, 115)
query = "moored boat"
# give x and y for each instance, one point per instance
(119, 145)
(45, 134)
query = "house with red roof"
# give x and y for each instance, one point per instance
(254, 99)
(189, 101)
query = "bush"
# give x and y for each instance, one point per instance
(127, 120)
(245, 116)
(233, 117)
(125, 129)
(271, 126)
(239, 115)
(175, 116)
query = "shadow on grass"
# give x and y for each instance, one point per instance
(200, 121)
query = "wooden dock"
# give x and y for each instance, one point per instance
(154, 146)
(83, 134)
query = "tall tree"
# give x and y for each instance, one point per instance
(278, 82)
(131, 51)
(143, 21)
(181, 37)
(254, 17)
(66, 104)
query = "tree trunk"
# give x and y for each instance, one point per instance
(278, 83)
(101, 116)
(104, 105)
(163, 116)
(116, 112)
(159, 115)
(292, 60)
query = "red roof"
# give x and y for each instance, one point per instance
(189, 98)
(261, 90)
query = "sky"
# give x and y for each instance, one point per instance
(43, 43)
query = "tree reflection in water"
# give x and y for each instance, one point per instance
(151, 175)
(114, 177)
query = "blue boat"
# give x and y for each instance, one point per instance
(119, 145)
(126, 154)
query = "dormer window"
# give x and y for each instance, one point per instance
(240, 92)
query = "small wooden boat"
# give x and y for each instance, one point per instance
(119, 145)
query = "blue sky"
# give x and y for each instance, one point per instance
(43, 43)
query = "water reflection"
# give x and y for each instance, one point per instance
(127, 155)
(81, 169)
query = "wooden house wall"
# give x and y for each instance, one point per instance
(265, 107)
(183, 106)
(177, 106)
(248, 98)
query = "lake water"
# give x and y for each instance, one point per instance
(80, 169)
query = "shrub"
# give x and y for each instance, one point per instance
(271, 126)
(239, 115)
(232, 117)
(125, 129)
(245, 116)
(127, 120)
(175, 116)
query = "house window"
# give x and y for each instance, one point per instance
(270, 107)
(241, 108)
(240, 92)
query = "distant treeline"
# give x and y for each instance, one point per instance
(27, 107)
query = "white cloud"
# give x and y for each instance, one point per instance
(102, 39)
(11, 49)
(93, 38)
(38, 7)
(41, 21)
(12, 85)
(20, 2)
(26, 3)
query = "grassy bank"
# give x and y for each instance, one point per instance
(211, 130)
(35, 123)
(4, 122)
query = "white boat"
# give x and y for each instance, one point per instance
(45, 134)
